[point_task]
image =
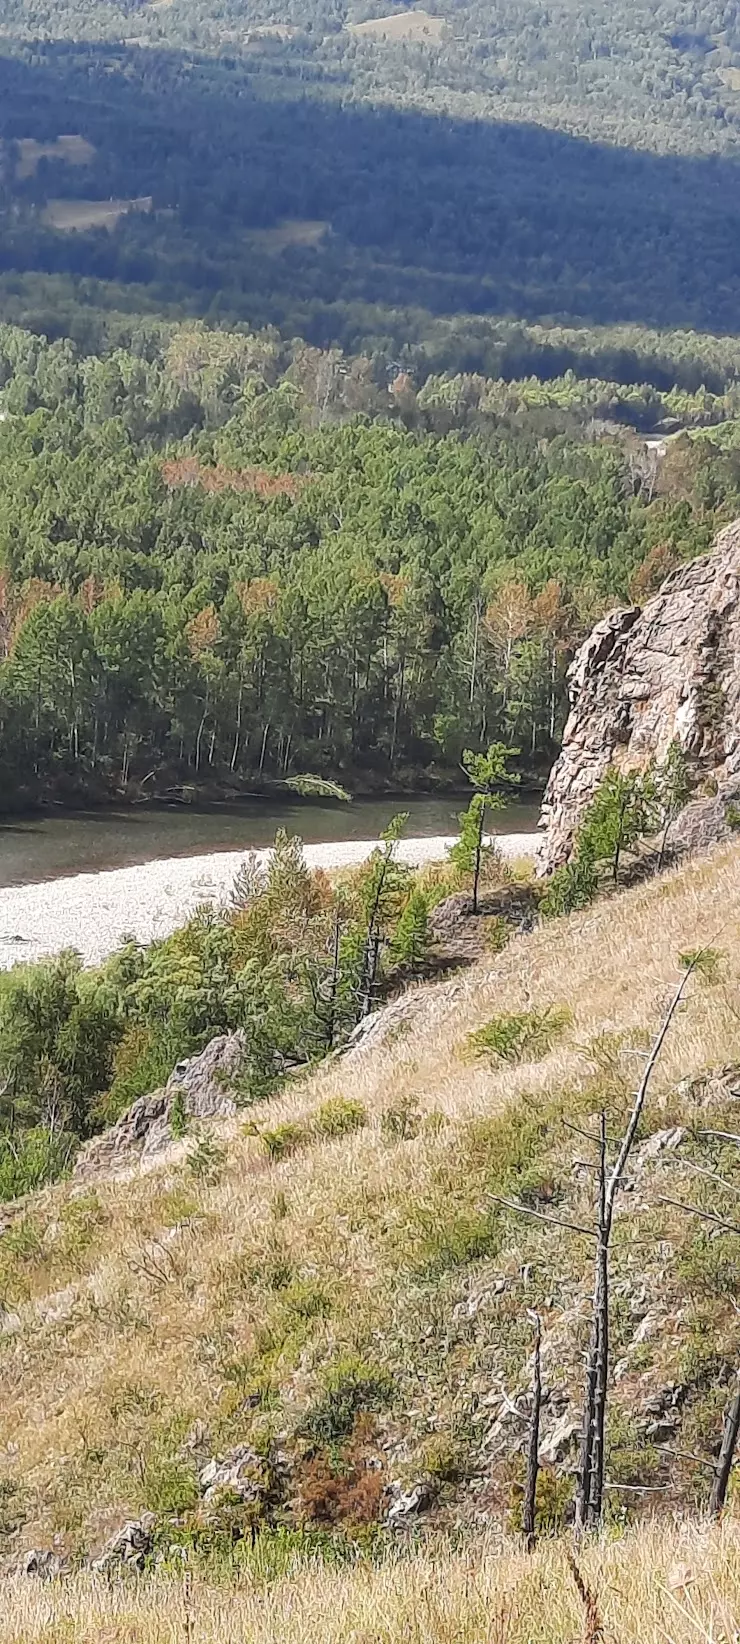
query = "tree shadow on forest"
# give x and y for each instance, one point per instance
(447, 216)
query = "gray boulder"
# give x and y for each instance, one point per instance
(44, 1563)
(240, 1472)
(129, 1548)
(202, 1085)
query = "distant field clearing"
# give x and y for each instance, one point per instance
(74, 149)
(402, 25)
(273, 31)
(292, 231)
(67, 215)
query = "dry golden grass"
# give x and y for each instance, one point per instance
(68, 215)
(418, 26)
(675, 1585)
(72, 148)
(134, 1308)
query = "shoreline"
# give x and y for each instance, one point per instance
(93, 911)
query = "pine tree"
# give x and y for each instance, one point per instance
(489, 775)
(410, 944)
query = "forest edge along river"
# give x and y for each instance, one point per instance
(93, 905)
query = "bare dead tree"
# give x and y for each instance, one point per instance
(590, 1481)
(590, 1491)
(597, 1437)
(533, 1448)
(726, 1456)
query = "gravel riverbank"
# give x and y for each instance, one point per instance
(92, 911)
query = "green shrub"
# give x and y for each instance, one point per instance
(446, 1238)
(338, 1116)
(569, 888)
(307, 1299)
(178, 1116)
(524, 1037)
(497, 934)
(283, 1140)
(170, 1485)
(707, 1265)
(350, 1386)
(31, 1158)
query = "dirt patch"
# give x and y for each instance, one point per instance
(67, 215)
(730, 77)
(292, 231)
(73, 149)
(419, 26)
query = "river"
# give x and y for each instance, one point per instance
(54, 845)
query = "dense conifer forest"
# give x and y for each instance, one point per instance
(217, 568)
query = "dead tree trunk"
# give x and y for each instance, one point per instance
(593, 1422)
(533, 1449)
(726, 1456)
(590, 1488)
(596, 1481)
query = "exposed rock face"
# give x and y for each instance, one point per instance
(144, 1130)
(130, 1547)
(645, 678)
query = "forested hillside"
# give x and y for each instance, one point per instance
(332, 336)
(217, 567)
(301, 167)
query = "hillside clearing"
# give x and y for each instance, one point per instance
(418, 26)
(72, 148)
(292, 231)
(69, 215)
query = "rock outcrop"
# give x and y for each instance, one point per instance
(645, 678)
(143, 1132)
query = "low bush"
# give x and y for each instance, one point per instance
(283, 1140)
(338, 1116)
(351, 1386)
(524, 1037)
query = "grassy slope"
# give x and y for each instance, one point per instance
(137, 1309)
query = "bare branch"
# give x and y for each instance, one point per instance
(555, 1221)
(684, 1455)
(639, 1489)
(721, 1136)
(706, 1215)
(714, 1176)
(639, 1102)
(587, 1134)
(726, 1455)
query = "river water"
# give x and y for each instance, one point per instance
(50, 846)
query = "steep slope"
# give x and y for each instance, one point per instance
(646, 678)
(320, 1298)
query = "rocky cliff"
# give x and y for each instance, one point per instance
(646, 677)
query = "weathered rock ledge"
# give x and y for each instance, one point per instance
(645, 678)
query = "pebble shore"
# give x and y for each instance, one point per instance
(93, 911)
